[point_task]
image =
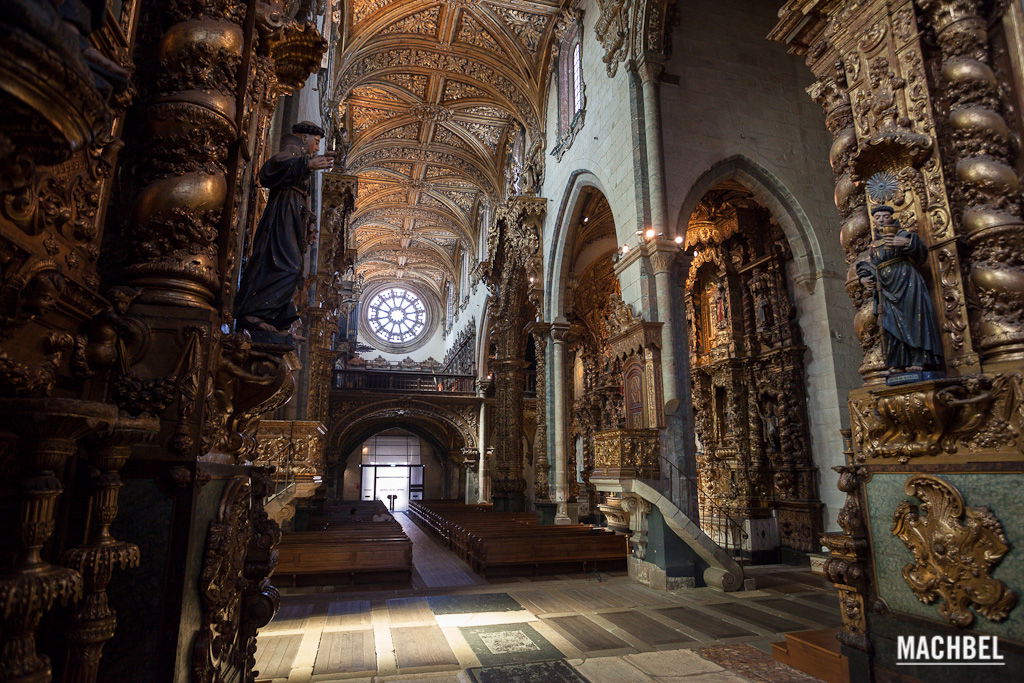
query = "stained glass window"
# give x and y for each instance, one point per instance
(396, 315)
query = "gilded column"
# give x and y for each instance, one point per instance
(540, 333)
(483, 490)
(93, 622)
(507, 483)
(49, 430)
(190, 126)
(559, 333)
(855, 227)
(986, 187)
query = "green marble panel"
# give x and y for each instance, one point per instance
(1001, 493)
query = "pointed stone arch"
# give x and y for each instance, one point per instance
(772, 193)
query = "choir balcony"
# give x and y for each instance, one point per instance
(403, 382)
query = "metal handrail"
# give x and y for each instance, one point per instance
(717, 523)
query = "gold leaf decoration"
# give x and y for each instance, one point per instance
(955, 550)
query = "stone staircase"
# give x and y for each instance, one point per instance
(638, 498)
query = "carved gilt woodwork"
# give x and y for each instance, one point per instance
(747, 370)
(922, 109)
(955, 549)
(627, 453)
(295, 448)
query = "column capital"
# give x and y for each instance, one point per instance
(662, 253)
(648, 67)
(539, 329)
(560, 331)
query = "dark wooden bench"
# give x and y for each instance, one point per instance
(344, 550)
(513, 542)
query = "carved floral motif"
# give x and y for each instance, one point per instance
(955, 550)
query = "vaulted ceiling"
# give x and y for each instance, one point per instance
(432, 93)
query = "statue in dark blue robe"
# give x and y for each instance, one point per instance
(274, 270)
(910, 336)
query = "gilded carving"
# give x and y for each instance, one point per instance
(955, 549)
(627, 452)
(754, 446)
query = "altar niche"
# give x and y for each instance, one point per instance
(596, 391)
(747, 373)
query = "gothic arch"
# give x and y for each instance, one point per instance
(773, 195)
(557, 261)
(445, 426)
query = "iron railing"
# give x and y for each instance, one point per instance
(714, 520)
(420, 382)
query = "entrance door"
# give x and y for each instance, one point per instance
(393, 481)
(405, 482)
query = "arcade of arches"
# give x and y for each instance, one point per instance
(327, 328)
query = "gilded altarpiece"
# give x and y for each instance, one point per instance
(597, 399)
(514, 259)
(747, 371)
(922, 101)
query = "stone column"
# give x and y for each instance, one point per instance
(662, 255)
(648, 72)
(559, 332)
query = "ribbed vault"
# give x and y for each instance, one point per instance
(434, 95)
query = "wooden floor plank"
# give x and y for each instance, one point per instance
(646, 629)
(275, 654)
(761, 619)
(703, 623)
(585, 634)
(422, 646)
(348, 614)
(346, 652)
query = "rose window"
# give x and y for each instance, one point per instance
(396, 315)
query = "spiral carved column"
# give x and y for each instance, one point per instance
(540, 443)
(190, 125)
(855, 231)
(987, 189)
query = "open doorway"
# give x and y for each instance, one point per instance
(391, 470)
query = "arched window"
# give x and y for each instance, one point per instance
(577, 78)
(572, 99)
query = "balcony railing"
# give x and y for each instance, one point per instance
(408, 382)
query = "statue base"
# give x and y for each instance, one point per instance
(898, 378)
(267, 338)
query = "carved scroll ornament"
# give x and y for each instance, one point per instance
(955, 549)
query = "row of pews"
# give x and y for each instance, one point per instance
(514, 542)
(349, 542)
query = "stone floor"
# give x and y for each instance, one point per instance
(451, 625)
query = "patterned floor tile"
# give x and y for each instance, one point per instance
(508, 644)
(538, 672)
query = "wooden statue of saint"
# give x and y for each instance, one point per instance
(910, 336)
(274, 270)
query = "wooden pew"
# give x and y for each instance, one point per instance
(515, 543)
(346, 551)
